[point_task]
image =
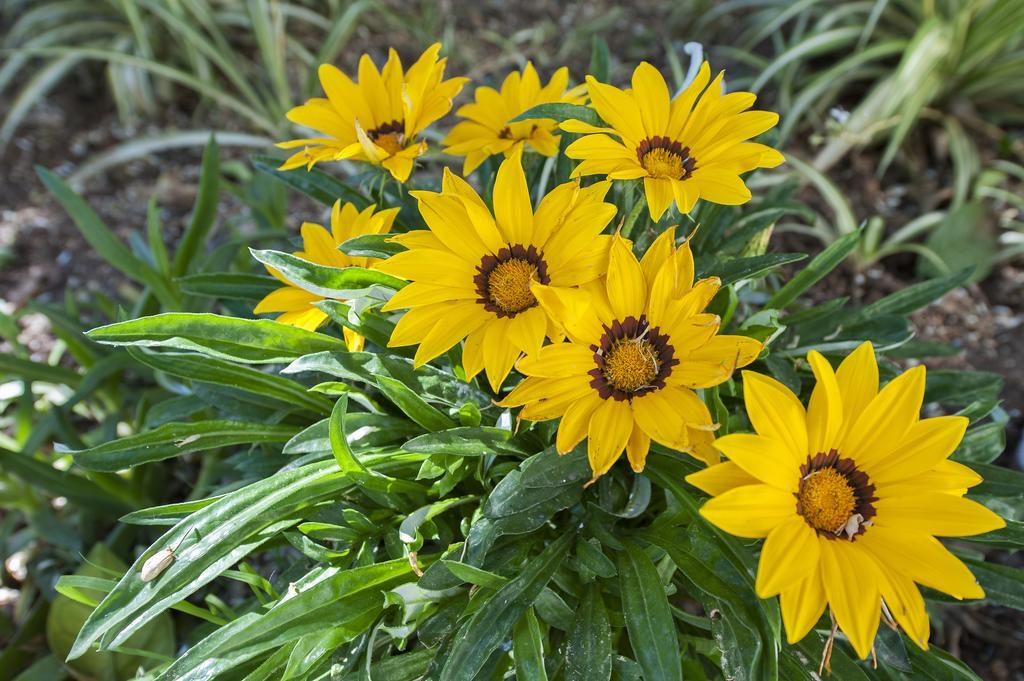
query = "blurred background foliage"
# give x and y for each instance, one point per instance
(901, 122)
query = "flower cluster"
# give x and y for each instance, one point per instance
(848, 493)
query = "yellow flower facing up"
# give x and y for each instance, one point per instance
(487, 130)
(472, 271)
(691, 147)
(639, 345)
(849, 495)
(376, 119)
(321, 247)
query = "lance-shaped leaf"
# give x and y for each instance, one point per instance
(342, 283)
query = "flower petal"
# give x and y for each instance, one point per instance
(789, 555)
(751, 511)
(610, 428)
(776, 413)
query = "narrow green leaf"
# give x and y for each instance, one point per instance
(347, 461)
(203, 212)
(561, 112)
(55, 483)
(253, 341)
(912, 298)
(600, 60)
(816, 270)
(479, 441)
(104, 242)
(652, 632)
(412, 405)
(528, 648)
(342, 283)
(372, 246)
(588, 653)
(240, 377)
(492, 623)
(754, 267)
(175, 439)
(28, 370)
(228, 285)
(314, 183)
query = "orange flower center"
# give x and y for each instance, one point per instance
(835, 497)
(631, 364)
(509, 285)
(827, 500)
(503, 280)
(389, 136)
(665, 158)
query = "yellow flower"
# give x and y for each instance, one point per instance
(488, 132)
(692, 147)
(376, 119)
(321, 247)
(639, 344)
(850, 494)
(472, 272)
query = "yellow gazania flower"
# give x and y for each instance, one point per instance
(850, 494)
(639, 344)
(692, 147)
(488, 132)
(471, 272)
(321, 247)
(378, 118)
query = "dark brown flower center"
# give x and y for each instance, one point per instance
(503, 280)
(663, 157)
(835, 497)
(633, 358)
(389, 136)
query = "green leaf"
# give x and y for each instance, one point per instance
(372, 246)
(314, 183)
(600, 60)
(28, 370)
(209, 541)
(491, 624)
(251, 341)
(228, 285)
(952, 386)
(561, 112)
(175, 439)
(816, 270)
(412, 405)
(754, 267)
(210, 370)
(104, 242)
(343, 283)
(528, 648)
(338, 598)
(588, 653)
(203, 212)
(652, 632)
(44, 477)
(982, 444)
(479, 441)
(347, 461)
(912, 298)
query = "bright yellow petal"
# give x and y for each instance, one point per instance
(512, 206)
(935, 513)
(576, 421)
(883, 424)
(458, 320)
(921, 558)
(790, 555)
(926, 443)
(637, 447)
(528, 329)
(610, 427)
(499, 353)
(651, 94)
(851, 584)
(657, 414)
(751, 511)
(558, 361)
(286, 299)
(802, 605)
(825, 410)
(776, 414)
(857, 376)
(764, 458)
(627, 291)
(905, 603)
(658, 191)
(720, 478)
